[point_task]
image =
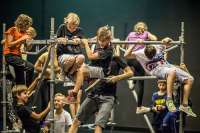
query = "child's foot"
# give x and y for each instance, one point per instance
(170, 105)
(188, 110)
(142, 110)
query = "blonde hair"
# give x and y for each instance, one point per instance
(135, 28)
(72, 17)
(23, 21)
(18, 89)
(104, 33)
(32, 32)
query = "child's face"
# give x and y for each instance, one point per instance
(58, 102)
(103, 42)
(140, 28)
(23, 97)
(72, 26)
(162, 86)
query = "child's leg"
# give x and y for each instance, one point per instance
(186, 90)
(79, 60)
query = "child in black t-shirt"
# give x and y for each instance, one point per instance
(28, 117)
(100, 59)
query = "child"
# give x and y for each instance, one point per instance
(140, 33)
(62, 117)
(100, 100)
(28, 117)
(70, 56)
(152, 59)
(15, 37)
(24, 47)
(45, 85)
(100, 59)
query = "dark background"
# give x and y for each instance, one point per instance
(162, 16)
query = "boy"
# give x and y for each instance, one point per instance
(27, 116)
(152, 59)
(62, 117)
(101, 98)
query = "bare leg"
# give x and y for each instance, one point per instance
(186, 91)
(98, 129)
(74, 126)
(170, 82)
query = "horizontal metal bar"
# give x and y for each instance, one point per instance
(142, 77)
(49, 41)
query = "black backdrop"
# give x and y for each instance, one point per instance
(162, 16)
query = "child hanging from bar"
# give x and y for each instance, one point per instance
(14, 38)
(101, 97)
(62, 118)
(28, 117)
(151, 57)
(140, 33)
(100, 58)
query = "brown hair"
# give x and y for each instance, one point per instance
(23, 22)
(150, 51)
(104, 33)
(18, 89)
(162, 81)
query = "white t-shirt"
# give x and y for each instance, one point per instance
(150, 64)
(62, 121)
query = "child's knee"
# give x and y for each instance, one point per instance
(80, 59)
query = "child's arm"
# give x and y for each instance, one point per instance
(127, 73)
(12, 43)
(152, 37)
(90, 54)
(128, 53)
(42, 114)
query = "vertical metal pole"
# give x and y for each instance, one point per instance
(181, 39)
(52, 83)
(4, 83)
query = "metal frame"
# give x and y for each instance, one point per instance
(52, 41)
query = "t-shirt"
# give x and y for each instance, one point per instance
(69, 48)
(28, 123)
(159, 100)
(150, 64)
(114, 68)
(105, 56)
(133, 36)
(16, 35)
(62, 121)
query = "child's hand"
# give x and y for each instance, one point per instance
(62, 40)
(167, 40)
(112, 79)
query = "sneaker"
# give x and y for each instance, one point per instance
(188, 110)
(142, 110)
(170, 105)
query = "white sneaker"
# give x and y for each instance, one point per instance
(142, 110)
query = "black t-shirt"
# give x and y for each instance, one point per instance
(28, 123)
(69, 48)
(105, 57)
(114, 68)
